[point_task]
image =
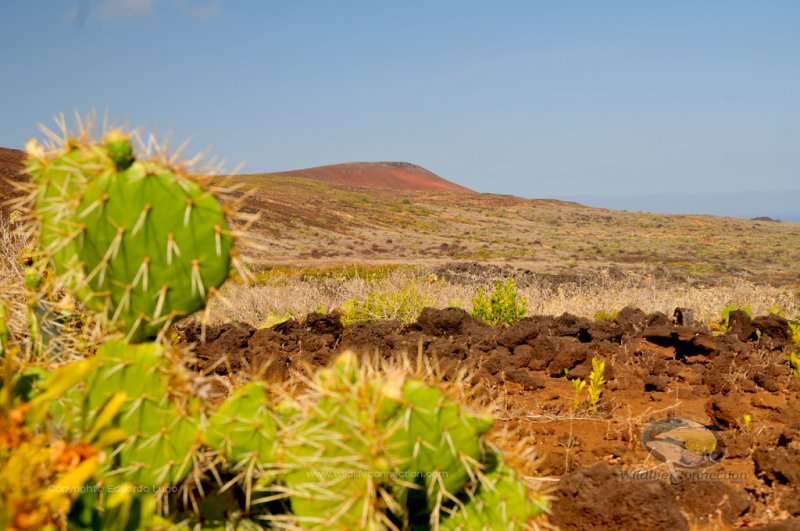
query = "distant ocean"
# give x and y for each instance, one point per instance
(780, 205)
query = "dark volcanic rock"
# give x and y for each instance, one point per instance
(598, 498)
(449, 322)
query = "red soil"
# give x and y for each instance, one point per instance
(392, 175)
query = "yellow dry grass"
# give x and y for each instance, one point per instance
(289, 296)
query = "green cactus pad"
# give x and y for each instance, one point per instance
(61, 180)
(121, 510)
(29, 382)
(342, 468)
(161, 451)
(499, 501)
(440, 442)
(153, 246)
(162, 437)
(244, 426)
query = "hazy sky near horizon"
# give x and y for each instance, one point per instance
(533, 98)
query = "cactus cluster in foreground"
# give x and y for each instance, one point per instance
(122, 439)
(356, 449)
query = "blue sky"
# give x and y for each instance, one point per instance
(589, 99)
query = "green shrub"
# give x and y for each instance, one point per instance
(794, 332)
(603, 315)
(502, 306)
(794, 357)
(721, 328)
(794, 362)
(402, 305)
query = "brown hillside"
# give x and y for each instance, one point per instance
(379, 175)
(11, 165)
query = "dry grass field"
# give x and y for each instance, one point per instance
(309, 222)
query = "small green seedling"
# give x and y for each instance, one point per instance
(747, 421)
(774, 310)
(596, 383)
(577, 385)
(794, 357)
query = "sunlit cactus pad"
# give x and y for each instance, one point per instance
(153, 245)
(138, 240)
(127, 395)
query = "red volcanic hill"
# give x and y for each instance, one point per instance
(391, 175)
(12, 162)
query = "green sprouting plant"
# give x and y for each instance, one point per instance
(596, 382)
(603, 315)
(504, 305)
(794, 357)
(747, 420)
(276, 318)
(794, 333)
(721, 327)
(577, 385)
(775, 310)
(404, 305)
(794, 362)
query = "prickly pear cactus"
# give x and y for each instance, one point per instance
(440, 442)
(61, 177)
(244, 427)
(342, 475)
(497, 500)
(139, 241)
(126, 391)
(162, 433)
(155, 244)
(377, 451)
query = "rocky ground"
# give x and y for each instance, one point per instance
(657, 367)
